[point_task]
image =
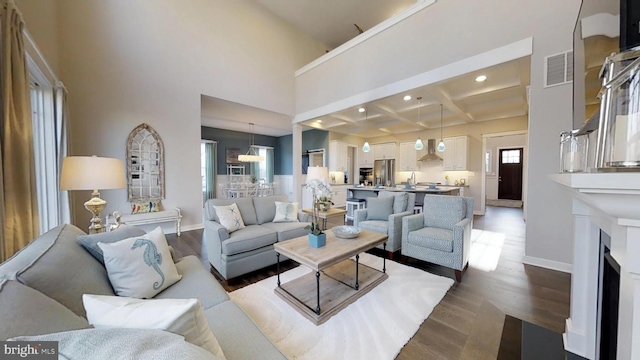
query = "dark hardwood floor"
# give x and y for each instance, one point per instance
(468, 322)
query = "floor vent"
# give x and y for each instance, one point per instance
(558, 69)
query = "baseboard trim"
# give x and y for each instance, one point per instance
(547, 264)
(192, 227)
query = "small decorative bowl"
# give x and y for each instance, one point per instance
(346, 232)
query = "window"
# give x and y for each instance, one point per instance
(45, 152)
(487, 162)
(208, 161)
(263, 169)
(511, 156)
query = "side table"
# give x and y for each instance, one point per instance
(329, 214)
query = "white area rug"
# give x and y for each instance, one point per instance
(376, 326)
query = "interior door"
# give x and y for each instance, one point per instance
(510, 174)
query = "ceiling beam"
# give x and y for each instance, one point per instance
(394, 115)
(446, 100)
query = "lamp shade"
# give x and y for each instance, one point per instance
(317, 172)
(250, 158)
(92, 173)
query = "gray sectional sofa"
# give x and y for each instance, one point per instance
(41, 291)
(245, 250)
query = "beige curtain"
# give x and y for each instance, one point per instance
(18, 203)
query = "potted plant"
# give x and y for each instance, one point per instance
(321, 195)
(324, 203)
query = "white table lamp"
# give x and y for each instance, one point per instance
(92, 173)
(317, 172)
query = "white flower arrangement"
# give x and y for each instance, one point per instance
(321, 195)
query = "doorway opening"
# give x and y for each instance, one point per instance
(504, 170)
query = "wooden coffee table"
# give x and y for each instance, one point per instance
(337, 282)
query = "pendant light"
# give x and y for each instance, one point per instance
(419, 145)
(365, 148)
(441, 146)
(251, 155)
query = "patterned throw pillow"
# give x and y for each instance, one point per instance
(286, 212)
(229, 217)
(140, 266)
(143, 207)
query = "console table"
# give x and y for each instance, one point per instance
(150, 218)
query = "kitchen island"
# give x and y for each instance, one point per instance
(364, 192)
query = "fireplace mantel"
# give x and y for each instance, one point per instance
(611, 202)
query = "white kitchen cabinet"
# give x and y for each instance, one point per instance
(365, 159)
(455, 154)
(338, 156)
(408, 157)
(339, 196)
(384, 151)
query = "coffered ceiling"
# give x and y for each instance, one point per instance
(502, 95)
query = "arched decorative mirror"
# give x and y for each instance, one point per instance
(145, 164)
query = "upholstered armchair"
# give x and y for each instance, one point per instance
(442, 233)
(384, 215)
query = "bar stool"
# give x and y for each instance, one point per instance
(354, 204)
(417, 208)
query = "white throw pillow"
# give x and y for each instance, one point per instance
(140, 266)
(286, 212)
(180, 316)
(229, 217)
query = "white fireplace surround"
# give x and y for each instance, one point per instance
(611, 202)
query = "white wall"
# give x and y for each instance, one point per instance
(454, 30)
(148, 61)
(493, 145)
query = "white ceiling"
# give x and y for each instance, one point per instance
(502, 95)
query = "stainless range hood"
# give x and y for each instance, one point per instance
(431, 152)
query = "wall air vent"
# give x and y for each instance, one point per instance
(558, 69)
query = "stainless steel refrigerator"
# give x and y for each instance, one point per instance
(384, 172)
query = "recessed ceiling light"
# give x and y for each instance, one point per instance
(481, 78)
(319, 121)
(407, 97)
(361, 109)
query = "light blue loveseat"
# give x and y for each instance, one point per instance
(249, 249)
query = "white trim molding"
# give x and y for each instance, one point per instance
(193, 227)
(399, 17)
(547, 264)
(600, 24)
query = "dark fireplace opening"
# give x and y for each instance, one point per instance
(609, 299)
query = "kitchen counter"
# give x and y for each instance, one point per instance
(367, 191)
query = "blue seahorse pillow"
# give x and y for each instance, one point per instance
(140, 266)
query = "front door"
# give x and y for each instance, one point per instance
(510, 174)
